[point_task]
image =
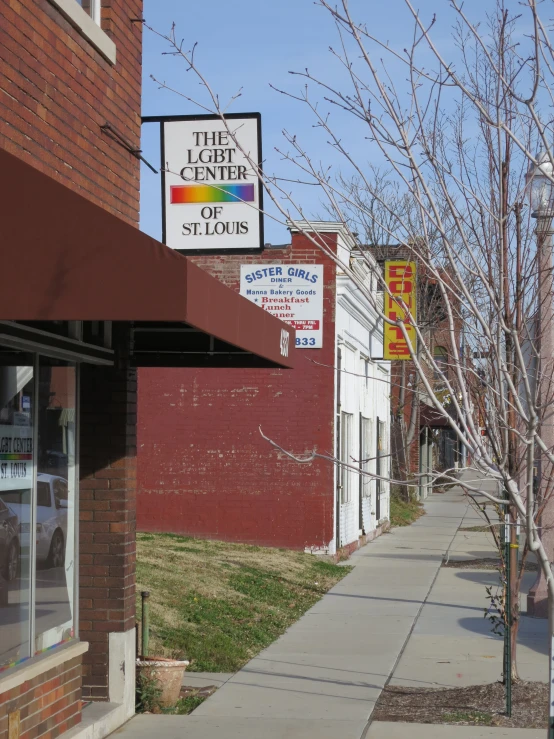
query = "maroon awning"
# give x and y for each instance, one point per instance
(67, 259)
(430, 416)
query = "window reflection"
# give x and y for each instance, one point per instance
(86, 5)
(16, 482)
(55, 509)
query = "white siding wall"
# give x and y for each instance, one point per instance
(365, 392)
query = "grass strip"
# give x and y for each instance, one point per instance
(472, 718)
(404, 511)
(219, 604)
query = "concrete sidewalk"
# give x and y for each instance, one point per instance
(452, 644)
(323, 677)
(398, 730)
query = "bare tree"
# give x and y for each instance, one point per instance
(375, 217)
(456, 134)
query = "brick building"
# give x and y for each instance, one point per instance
(86, 301)
(203, 467)
(421, 439)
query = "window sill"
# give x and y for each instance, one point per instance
(41, 664)
(87, 28)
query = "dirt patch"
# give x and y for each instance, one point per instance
(188, 690)
(487, 563)
(477, 705)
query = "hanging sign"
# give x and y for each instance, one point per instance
(211, 194)
(400, 304)
(291, 292)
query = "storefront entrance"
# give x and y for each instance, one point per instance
(100, 299)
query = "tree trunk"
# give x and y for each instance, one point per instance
(514, 588)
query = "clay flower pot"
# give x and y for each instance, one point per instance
(167, 673)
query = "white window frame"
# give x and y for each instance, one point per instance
(366, 454)
(366, 370)
(382, 431)
(95, 10)
(88, 25)
(346, 424)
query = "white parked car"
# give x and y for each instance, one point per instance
(51, 517)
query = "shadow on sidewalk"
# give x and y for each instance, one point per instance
(535, 641)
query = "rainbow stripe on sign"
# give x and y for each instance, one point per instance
(180, 194)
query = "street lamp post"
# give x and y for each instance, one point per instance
(540, 601)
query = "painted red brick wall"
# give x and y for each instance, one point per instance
(48, 704)
(203, 468)
(56, 91)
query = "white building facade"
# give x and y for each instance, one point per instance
(362, 400)
(363, 410)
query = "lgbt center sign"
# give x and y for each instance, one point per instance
(211, 195)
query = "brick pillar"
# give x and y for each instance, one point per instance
(107, 517)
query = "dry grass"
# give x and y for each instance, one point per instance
(404, 512)
(219, 604)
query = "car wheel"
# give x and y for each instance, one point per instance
(12, 561)
(56, 556)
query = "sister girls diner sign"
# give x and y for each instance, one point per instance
(292, 292)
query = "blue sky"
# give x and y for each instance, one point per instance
(250, 44)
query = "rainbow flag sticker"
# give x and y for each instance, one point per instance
(185, 194)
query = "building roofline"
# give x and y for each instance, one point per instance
(324, 227)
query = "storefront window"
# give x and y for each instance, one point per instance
(55, 506)
(37, 494)
(16, 485)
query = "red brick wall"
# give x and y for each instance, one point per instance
(203, 468)
(107, 511)
(398, 378)
(56, 91)
(48, 704)
(404, 372)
